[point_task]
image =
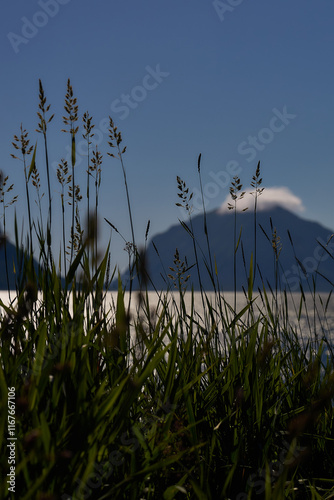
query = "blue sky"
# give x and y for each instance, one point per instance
(236, 81)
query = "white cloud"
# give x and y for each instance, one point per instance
(270, 197)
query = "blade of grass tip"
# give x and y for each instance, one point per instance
(328, 299)
(33, 162)
(239, 315)
(250, 278)
(200, 180)
(73, 267)
(121, 324)
(109, 403)
(155, 248)
(216, 268)
(265, 233)
(244, 260)
(238, 242)
(325, 278)
(152, 362)
(172, 491)
(268, 308)
(301, 267)
(290, 238)
(325, 249)
(300, 308)
(102, 270)
(184, 225)
(204, 215)
(271, 224)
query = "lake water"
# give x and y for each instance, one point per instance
(312, 321)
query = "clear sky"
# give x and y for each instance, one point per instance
(238, 81)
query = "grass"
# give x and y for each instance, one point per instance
(166, 402)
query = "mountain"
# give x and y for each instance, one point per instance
(300, 259)
(11, 257)
(11, 262)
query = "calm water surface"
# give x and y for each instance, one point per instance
(313, 316)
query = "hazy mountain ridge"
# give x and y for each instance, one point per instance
(305, 236)
(308, 238)
(11, 257)
(11, 262)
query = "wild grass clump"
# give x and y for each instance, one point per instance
(120, 399)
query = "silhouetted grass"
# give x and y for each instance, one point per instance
(160, 403)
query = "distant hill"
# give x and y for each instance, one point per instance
(307, 238)
(11, 261)
(11, 257)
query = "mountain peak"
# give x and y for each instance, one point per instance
(270, 198)
(295, 236)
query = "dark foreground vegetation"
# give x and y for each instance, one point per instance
(162, 403)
